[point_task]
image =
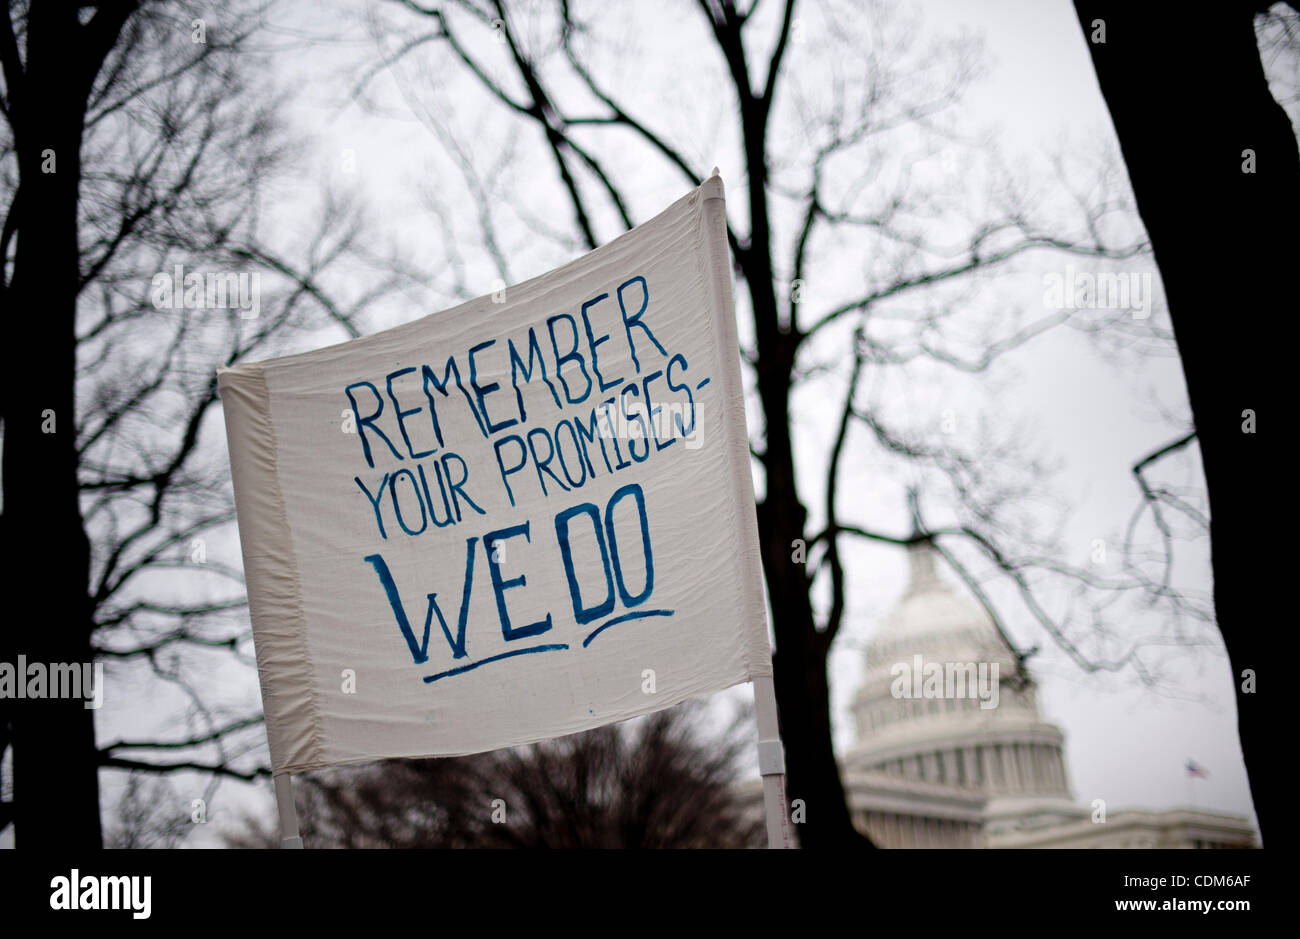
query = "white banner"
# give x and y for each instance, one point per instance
(526, 516)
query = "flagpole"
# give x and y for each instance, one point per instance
(289, 837)
(771, 763)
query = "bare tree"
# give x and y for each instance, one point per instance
(148, 814)
(864, 223)
(656, 782)
(860, 250)
(1247, 181)
(45, 104)
(140, 141)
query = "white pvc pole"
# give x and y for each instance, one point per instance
(771, 764)
(289, 837)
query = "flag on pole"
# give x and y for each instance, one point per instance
(1196, 770)
(526, 516)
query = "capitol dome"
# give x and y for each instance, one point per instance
(946, 712)
(952, 752)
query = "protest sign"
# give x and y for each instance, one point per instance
(523, 517)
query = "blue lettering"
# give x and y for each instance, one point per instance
(403, 415)
(635, 492)
(635, 319)
(584, 614)
(559, 451)
(690, 399)
(374, 501)
(364, 422)
(523, 458)
(397, 505)
(543, 466)
(573, 355)
(592, 342)
(456, 489)
(484, 391)
(591, 434)
(420, 650)
(431, 378)
(636, 416)
(654, 413)
(428, 497)
(619, 462)
(500, 586)
(519, 365)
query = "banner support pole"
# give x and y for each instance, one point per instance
(771, 763)
(289, 837)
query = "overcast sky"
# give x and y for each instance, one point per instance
(1124, 744)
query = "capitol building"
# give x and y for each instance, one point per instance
(951, 753)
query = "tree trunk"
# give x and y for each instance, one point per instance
(55, 765)
(802, 685)
(1188, 96)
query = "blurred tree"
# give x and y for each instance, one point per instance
(148, 814)
(135, 140)
(46, 99)
(1240, 178)
(863, 226)
(655, 782)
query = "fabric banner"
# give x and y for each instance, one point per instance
(523, 517)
